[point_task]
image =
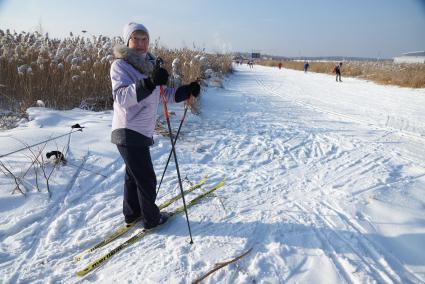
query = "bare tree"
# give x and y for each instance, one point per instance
(7, 172)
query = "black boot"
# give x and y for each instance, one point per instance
(163, 217)
(130, 222)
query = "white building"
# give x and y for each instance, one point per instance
(411, 57)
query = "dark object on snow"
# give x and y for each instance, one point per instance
(58, 156)
(77, 126)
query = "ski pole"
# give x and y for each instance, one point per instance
(173, 149)
(75, 126)
(175, 141)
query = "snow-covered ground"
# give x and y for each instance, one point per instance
(325, 182)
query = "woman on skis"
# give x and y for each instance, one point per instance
(136, 93)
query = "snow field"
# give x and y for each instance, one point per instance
(324, 180)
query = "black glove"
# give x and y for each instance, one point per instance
(184, 92)
(195, 89)
(160, 76)
(144, 88)
(159, 62)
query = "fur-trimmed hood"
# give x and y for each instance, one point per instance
(144, 64)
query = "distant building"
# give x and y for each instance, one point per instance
(411, 57)
(255, 54)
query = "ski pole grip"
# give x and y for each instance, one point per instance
(164, 103)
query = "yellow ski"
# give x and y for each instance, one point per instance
(101, 260)
(121, 230)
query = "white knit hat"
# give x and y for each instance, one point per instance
(132, 27)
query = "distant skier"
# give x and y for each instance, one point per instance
(135, 89)
(337, 71)
(251, 63)
(280, 65)
(306, 66)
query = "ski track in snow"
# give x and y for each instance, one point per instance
(324, 180)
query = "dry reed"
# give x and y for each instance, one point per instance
(74, 72)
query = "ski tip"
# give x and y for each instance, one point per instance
(80, 256)
(83, 272)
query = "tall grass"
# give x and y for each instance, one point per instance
(74, 72)
(382, 72)
(193, 63)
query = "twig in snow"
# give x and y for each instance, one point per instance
(220, 265)
(35, 163)
(47, 175)
(7, 172)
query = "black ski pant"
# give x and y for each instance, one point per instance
(139, 185)
(338, 76)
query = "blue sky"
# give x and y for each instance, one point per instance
(369, 28)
